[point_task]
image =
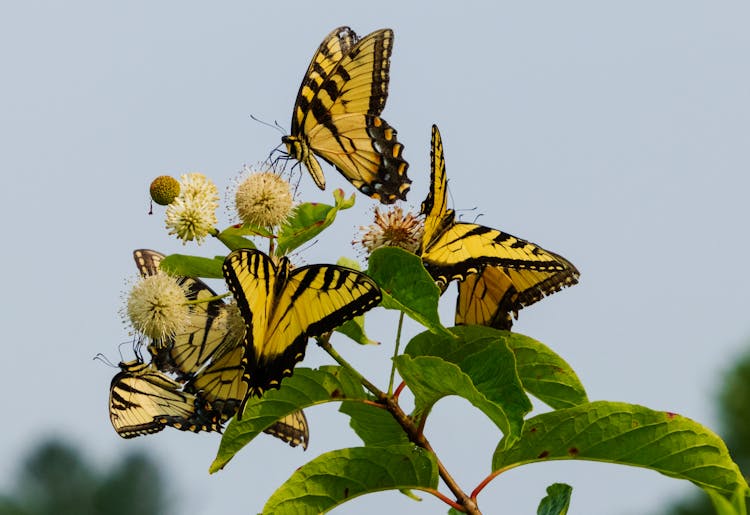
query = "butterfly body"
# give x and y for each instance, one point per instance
(337, 115)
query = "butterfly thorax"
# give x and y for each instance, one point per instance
(300, 150)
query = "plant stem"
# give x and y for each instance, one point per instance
(466, 502)
(418, 438)
(395, 352)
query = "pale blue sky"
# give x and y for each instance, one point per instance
(614, 133)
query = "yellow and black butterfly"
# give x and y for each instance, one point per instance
(337, 115)
(283, 307)
(207, 356)
(499, 273)
(143, 400)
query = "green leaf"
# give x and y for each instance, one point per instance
(543, 373)
(234, 236)
(627, 434)
(308, 220)
(736, 505)
(480, 369)
(337, 476)
(375, 426)
(406, 286)
(355, 329)
(557, 501)
(193, 266)
(305, 388)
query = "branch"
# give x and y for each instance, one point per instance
(468, 504)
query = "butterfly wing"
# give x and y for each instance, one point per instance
(482, 298)
(492, 295)
(464, 249)
(292, 429)
(283, 308)
(337, 116)
(435, 205)
(143, 400)
(332, 50)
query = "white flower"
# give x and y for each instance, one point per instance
(156, 307)
(192, 215)
(263, 199)
(392, 228)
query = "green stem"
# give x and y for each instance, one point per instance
(469, 505)
(325, 344)
(395, 353)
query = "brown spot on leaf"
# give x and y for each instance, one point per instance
(543, 455)
(532, 430)
(670, 415)
(346, 493)
(336, 394)
(573, 451)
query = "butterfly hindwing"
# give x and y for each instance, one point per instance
(337, 115)
(292, 429)
(282, 308)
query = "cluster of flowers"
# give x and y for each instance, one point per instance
(155, 305)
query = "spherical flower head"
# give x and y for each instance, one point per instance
(263, 199)
(392, 228)
(192, 215)
(156, 307)
(164, 189)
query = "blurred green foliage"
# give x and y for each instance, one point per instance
(733, 406)
(56, 479)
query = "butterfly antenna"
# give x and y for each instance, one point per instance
(274, 125)
(104, 359)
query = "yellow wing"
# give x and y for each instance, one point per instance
(282, 308)
(492, 295)
(143, 400)
(337, 115)
(499, 272)
(292, 429)
(207, 356)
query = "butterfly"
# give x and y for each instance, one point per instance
(337, 115)
(498, 273)
(283, 307)
(143, 400)
(207, 356)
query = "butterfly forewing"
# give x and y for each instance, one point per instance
(358, 84)
(435, 205)
(296, 304)
(334, 47)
